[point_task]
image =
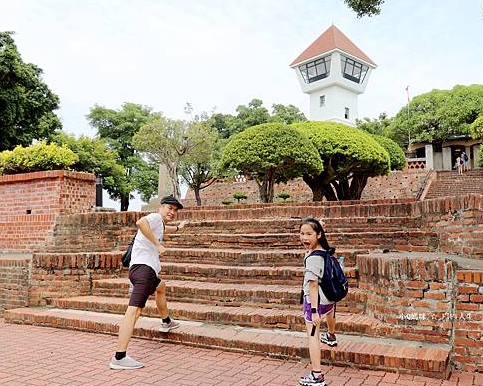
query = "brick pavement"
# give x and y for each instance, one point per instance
(47, 356)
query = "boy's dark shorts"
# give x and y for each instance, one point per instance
(144, 281)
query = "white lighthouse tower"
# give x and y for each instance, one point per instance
(333, 71)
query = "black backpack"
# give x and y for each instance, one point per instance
(465, 157)
(333, 283)
(126, 257)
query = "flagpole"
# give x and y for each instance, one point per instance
(409, 128)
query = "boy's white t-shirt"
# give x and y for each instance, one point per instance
(314, 268)
(145, 252)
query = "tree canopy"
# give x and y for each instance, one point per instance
(396, 154)
(438, 115)
(349, 155)
(95, 157)
(271, 153)
(477, 132)
(26, 103)
(365, 7)
(254, 114)
(117, 128)
(169, 141)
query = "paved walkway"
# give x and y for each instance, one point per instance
(47, 356)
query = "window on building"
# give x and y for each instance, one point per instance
(346, 113)
(322, 101)
(353, 70)
(316, 70)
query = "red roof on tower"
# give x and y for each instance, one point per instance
(331, 39)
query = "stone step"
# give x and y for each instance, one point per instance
(364, 352)
(250, 257)
(230, 294)
(225, 274)
(393, 240)
(346, 323)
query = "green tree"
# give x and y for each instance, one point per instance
(396, 154)
(365, 7)
(477, 132)
(377, 126)
(350, 157)
(199, 167)
(286, 114)
(95, 157)
(26, 103)
(437, 115)
(271, 153)
(253, 114)
(168, 142)
(117, 128)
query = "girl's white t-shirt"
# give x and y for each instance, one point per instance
(145, 252)
(314, 268)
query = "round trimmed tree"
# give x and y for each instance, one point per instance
(349, 155)
(271, 153)
(396, 154)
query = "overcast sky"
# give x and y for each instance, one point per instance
(223, 53)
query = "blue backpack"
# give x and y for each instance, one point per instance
(333, 283)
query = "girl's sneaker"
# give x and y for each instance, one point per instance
(311, 380)
(329, 339)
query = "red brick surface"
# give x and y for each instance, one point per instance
(31, 202)
(45, 356)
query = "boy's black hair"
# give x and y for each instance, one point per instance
(317, 227)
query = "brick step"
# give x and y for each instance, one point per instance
(240, 274)
(291, 225)
(393, 240)
(252, 257)
(346, 323)
(372, 353)
(230, 294)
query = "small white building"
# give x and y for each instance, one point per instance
(333, 71)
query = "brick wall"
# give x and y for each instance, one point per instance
(30, 203)
(468, 318)
(57, 275)
(458, 221)
(414, 296)
(14, 282)
(396, 185)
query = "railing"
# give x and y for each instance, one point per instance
(416, 163)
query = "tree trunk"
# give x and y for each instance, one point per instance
(124, 202)
(266, 188)
(173, 177)
(197, 196)
(358, 184)
(319, 188)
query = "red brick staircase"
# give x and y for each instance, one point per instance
(450, 183)
(234, 283)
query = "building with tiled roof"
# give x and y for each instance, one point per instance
(333, 71)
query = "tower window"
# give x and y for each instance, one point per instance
(353, 70)
(322, 101)
(346, 113)
(316, 70)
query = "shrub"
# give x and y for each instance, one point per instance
(37, 157)
(239, 196)
(283, 196)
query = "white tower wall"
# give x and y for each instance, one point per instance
(337, 99)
